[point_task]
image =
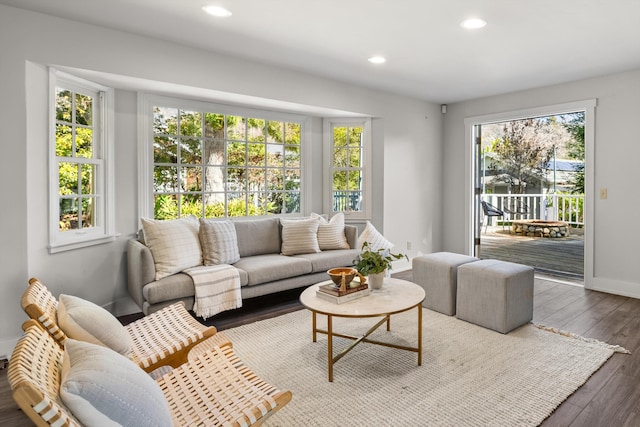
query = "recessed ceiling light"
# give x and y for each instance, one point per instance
(377, 60)
(218, 11)
(473, 23)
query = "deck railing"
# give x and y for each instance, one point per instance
(568, 208)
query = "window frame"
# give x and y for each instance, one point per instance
(147, 101)
(103, 143)
(327, 135)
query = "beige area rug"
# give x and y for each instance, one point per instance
(470, 376)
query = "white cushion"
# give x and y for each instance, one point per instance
(299, 236)
(174, 244)
(219, 242)
(102, 387)
(331, 233)
(83, 320)
(374, 238)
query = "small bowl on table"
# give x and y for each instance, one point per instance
(336, 275)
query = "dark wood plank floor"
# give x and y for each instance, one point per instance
(611, 397)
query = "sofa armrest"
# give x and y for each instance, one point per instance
(351, 233)
(140, 269)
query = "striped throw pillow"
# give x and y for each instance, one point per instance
(331, 233)
(299, 236)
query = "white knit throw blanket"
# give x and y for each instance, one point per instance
(217, 289)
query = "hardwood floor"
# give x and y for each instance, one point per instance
(611, 397)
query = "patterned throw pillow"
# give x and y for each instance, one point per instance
(299, 236)
(102, 387)
(219, 242)
(83, 320)
(331, 233)
(374, 238)
(174, 244)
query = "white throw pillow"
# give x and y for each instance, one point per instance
(374, 238)
(174, 244)
(102, 387)
(299, 236)
(83, 320)
(331, 233)
(219, 242)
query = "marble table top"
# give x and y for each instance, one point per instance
(396, 295)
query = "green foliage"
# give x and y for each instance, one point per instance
(347, 154)
(575, 150)
(522, 157)
(74, 139)
(166, 207)
(196, 151)
(573, 213)
(373, 262)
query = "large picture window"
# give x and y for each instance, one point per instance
(212, 163)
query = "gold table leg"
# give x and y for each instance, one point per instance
(330, 346)
(314, 326)
(419, 334)
(363, 338)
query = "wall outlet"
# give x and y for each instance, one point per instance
(4, 362)
(603, 193)
(409, 246)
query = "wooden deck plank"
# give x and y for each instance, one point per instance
(563, 256)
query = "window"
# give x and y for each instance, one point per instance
(347, 152)
(80, 206)
(211, 162)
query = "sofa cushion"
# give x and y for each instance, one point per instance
(258, 236)
(331, 233)
(373, 237)
(270, 267)
(219, 242)
(325, 260)
(83, 320)
(102, 387)
(300, 236)
(174, 244)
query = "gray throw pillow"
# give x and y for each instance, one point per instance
(219, 242)
(104, 388)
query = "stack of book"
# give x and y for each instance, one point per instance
(333, 293)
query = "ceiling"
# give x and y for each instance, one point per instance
(525, 44)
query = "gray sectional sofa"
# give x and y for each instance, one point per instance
(262, 267)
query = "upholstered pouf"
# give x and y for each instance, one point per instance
(495, 294)
(437, 274)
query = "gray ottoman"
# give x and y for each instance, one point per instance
(495, 294)
(437, 274)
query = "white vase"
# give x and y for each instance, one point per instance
(376, 280)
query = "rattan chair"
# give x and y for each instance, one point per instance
(232, 394)
(160, 339)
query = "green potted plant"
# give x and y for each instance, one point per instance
(374, 264)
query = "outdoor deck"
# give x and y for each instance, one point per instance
(562, 257)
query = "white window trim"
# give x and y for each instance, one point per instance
(105, 230)
(146, 102)
(327, 136)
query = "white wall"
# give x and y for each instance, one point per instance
(616, 242)
(407, 153)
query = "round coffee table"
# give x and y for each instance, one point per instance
(396, 296)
